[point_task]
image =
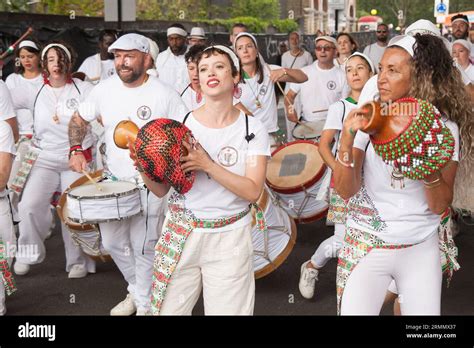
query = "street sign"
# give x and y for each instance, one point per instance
(441, 7)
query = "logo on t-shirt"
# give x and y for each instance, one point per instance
(228, 156)
(263, 90)
(110, 72)
(72, 104)
(144, 112)
(331, 85)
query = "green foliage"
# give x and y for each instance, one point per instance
(285, 25)
(265, 10)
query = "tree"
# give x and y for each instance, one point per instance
(261, 9)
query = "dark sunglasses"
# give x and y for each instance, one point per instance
(381, 31)
(324, 48)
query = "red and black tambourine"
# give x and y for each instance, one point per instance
(159, 147)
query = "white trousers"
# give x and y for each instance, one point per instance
(49, 174)
(7, 235)
(329, 248)
(415, 270)
(222, 265)
(131, 244)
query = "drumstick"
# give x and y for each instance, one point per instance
(281, 89)
(304, 125)
(322, 110)
(12, 47)
(97, 186)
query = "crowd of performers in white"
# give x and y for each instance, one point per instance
(172, 165)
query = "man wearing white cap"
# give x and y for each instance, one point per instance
(197, 37)
(376, 50)
(295, 58)
(171, 64)
(326, 84)
(137, 96)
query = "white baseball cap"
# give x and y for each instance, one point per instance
(197, 33)
(129, 42)
(326, 38)
(422, 26)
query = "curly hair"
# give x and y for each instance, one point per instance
(65, 64)
(435, 78)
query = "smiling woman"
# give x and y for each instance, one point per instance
(207, 230)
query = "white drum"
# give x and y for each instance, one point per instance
(117, 200)
(295, 174)
(306, 130)
(273, 247)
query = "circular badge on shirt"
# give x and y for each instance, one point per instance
(72, 104)
(228, 156)
(263, 90)
(144, 112)
(331, 85)
(110, 72)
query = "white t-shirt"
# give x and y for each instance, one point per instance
(470, 73)
(97, 69)
(62, 102)
(396, 215)
(291, 62)
(324, 87)
(115, 102)
(6, 105)
(189, 97)
(265, 92)
(24, 116)
(7, 144)
(227, 146)
(172, 70)
(375, 53)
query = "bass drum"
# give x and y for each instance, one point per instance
(271, 248)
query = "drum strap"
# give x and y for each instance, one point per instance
(180, 224)
(248, 136)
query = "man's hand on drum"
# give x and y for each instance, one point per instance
(356, 119)
(196, 159)
(77, 162)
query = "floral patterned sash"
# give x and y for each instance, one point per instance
(7, 276)
(170, 246)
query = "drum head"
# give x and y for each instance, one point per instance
(61, 208)
(308, 130)
(107, 190)
(295, 166)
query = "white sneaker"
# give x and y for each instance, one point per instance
(21, 268)
(126, 307)
(77, 271)
(308, 279)
(143, 312)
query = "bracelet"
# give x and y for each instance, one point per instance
(75, 147)
(433, 186)
(76, 151)
(429, 183)
(351, 165)
(352, 132)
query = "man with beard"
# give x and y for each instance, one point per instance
(100, 66)
(460, 28)
(376, 50)
(171, 64)
(137, 96)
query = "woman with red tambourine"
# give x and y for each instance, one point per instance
(399, 186)
(206, 240)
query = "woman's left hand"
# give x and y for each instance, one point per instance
(196, 159)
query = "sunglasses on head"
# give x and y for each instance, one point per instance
(324, 48)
